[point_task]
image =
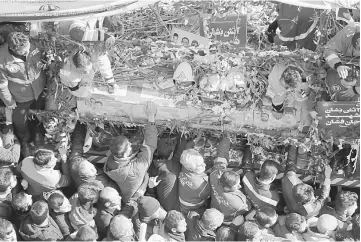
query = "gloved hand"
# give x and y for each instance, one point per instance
(271, 31)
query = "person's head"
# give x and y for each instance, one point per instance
(85, 169)
(86, 233)
(110, 198)
(22, 202)
(291, 78)
(296, 223)
(175, 37)
(195, 43)
(248, 231)
(7, 180)
(225, 233)
(346, 203)
(120, 147)
(150, 209)
(39, 212)
(356, 227)
(303, 193)
(19, 43)
(88, 194)
(185, 41)
(175, 221)
(45, 158)
(212, 219)
(193, 161)
(59, 203)
(230, 181)
(82, 61)
(120, 228)
(266, 217)
(165, 148)
(268, 172)
(7, 231)
(326, 224)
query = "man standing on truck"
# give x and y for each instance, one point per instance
(22, 82)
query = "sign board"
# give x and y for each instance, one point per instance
(231, 29)
(343, 118)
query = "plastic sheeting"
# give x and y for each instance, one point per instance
(323, 4)
(60, 10)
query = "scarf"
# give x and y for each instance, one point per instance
(175, 236)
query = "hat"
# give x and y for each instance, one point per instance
(86, 169)
(147, 206)
(120, 227)
(326, 223)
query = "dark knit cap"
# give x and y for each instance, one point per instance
(147, 206)
(39, 212)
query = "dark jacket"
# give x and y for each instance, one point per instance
(168, 172)
(62, 220)
(196, 231)
(21, 81)
(311, 209)
(231, 204)
(260, 194)
(297, 25)
(30, 231)
(102, 219)
(129, 172)
(153, 226)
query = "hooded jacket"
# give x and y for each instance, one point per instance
(31, 232)
(195, 229)
(102, 219)
(129, 172)
(78, 216)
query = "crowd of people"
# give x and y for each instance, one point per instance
(159, 192)
(162, 192)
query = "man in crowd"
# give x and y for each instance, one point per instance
(344, 80)
(22, 82)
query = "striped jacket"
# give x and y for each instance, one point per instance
(297, 25)
(341, 43)
(261, 195)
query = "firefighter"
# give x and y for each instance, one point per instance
(297, 27)
(343, 79)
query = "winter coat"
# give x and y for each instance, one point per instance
(341, 44)
(32, 232)
(194, 190)
(102, 219)
(129, 172)
(21, 81)
(153, 226)
(78, 216)
(231, 204)
(311, 209)
(297, 26)
(62, 220)
(168, 172)
(77, 82)
(262, 195)
(195, 229)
